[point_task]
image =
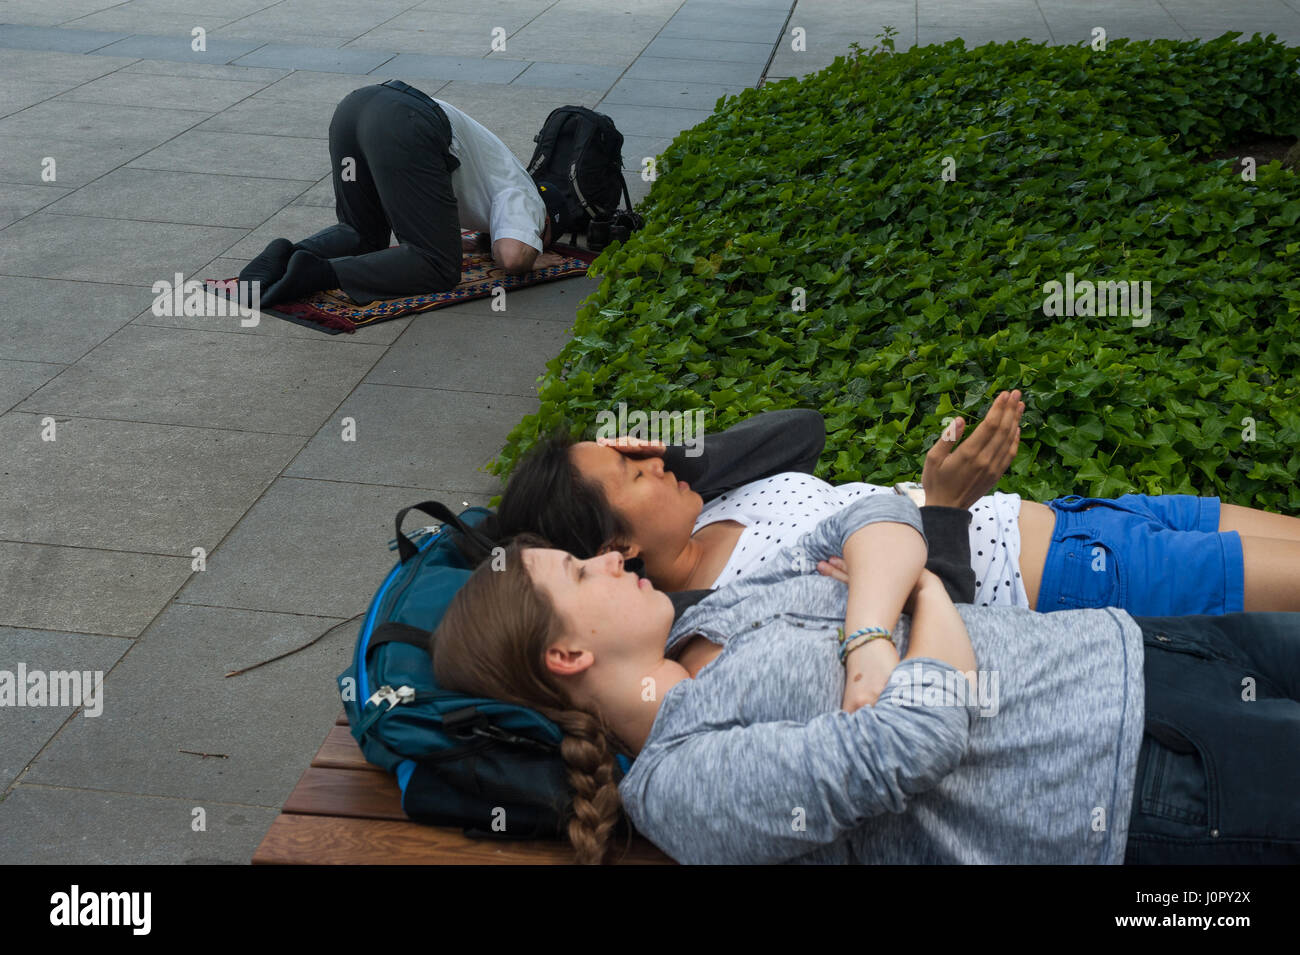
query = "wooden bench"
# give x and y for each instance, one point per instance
(346, 811)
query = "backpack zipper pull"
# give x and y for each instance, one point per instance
(386, 694)
(415, 535)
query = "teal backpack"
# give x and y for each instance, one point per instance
(491, 768)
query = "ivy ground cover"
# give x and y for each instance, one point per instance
(886, 241)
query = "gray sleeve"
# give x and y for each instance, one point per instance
(771, 792)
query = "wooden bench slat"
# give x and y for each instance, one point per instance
(346, 792)
(340, 751)
(324, 840)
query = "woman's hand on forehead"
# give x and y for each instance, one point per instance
(633, 447)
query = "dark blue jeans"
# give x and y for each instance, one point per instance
(1218, 778)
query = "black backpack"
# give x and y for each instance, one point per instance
(578, 168)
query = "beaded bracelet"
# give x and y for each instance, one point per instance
(858, 637)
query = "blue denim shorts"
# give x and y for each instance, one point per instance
(1153, 556)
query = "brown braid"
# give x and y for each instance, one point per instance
(492, 642)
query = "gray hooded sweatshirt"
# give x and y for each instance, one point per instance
(754, 761)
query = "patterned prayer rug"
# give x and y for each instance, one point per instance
(333, 312)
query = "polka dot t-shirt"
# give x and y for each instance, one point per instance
(777, 510)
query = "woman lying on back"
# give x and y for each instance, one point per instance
(699, 523)
(992, 734)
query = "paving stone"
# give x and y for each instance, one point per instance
(174, 92)
(25, 729)
(321, 59)
(18, 379)
(464, 351)
(46, 826)
(217, 49)
(666, 68)
(414, 437)
(125, 486)
(266, 722)
(209, 378)
(239, 154)
(717, 51)
(163, 195)
(464, 68)
(679, 95)
(18, 201)
(85, 590)
(344, 526)
(300, 119)
(58, 321)
(568, 75)
(53, 246)
(98, 123)
(55, 38)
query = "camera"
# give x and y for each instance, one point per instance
(617, 228)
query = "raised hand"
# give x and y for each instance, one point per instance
(959, 476)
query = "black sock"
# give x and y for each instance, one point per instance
(305, 274)
(268, 268)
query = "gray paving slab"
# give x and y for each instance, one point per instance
(40, 825)
(130, 20)
(291, 222)
(679, 95)
(55, 247)
(104, 125)
(56, 38)
(753, 29)
(313, 87)
(550, 302)
(344, 527)
(449, 43)
(435, 23)
(217, 49)
(43, 13)
(83, 590)
(414, 437)
(232, 8)
(321, 194)
(163, 195)
(168, 92)
(468, 352)
(654, 120)
(568, 75)
(464, 68)
(18, 379)
(209, 378)
(305, 17)
(76, 162)
(25, 729)
(18, 200)
(239, 154)
(19, 94)
(666, 68)
(125, 486)
(59, 321)
(321, 59)
(67, 69)
(261, 721)
(637, 148)
(714, 50)
(209, 71)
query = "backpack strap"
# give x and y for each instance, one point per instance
(406, 550)
(399, 633)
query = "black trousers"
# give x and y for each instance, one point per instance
(391, 156)
(1218, 777)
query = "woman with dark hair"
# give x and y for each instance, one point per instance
(699, 523)
(989, 734)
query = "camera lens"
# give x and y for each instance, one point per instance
(598, 235)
